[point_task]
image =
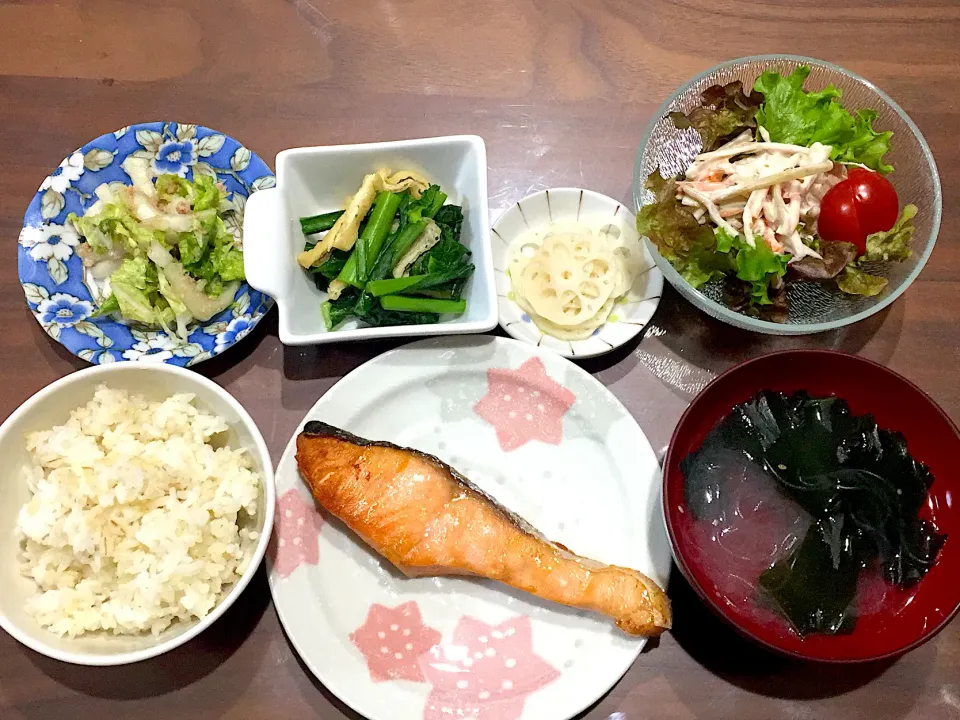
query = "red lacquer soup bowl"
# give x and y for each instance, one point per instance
(892, 620)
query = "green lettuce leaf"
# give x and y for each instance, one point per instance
(854, 281)
(213, 287)
(725, 112)
(88, 227)
(866, 146)
(706, 260)
(133, 284)
(670, 225)
(894, 244)
(792, 115)
(207, 252)
(759, 266)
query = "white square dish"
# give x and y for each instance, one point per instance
(314, 180)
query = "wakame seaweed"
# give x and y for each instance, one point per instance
(857, 481)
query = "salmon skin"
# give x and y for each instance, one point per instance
(429, 520)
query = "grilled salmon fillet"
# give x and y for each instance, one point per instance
(427, 519)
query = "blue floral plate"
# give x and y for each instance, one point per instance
(61, 293)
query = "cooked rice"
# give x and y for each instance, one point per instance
(138, 519)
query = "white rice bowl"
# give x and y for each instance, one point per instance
(138, 520)
(98, 591)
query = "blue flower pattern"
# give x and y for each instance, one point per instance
(52, 275)
(64, 310)
(236, 330)
(175, 157)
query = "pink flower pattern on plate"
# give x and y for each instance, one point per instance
(391, 640)
(524, 405)
(486, 673)
(296, 534)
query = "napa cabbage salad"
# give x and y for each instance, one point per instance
(159, 250)
(789, 187)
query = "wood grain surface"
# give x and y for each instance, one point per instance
(561, 91)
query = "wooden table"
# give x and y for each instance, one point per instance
(561, 92)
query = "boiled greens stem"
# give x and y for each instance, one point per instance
(319, 223)
(400, 303)
(365, 252)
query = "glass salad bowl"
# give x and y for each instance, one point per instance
(814, 307)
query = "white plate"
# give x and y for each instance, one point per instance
(564, 454)
(567, 204)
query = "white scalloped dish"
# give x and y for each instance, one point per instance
(536, 222)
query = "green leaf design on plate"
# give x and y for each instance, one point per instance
(53, 330)
(142, 154)
(97, 159)
(233, 225)
(35, 294)
(240, 159)
(87, 354)
(233, 218)
(150, 140)
(215, 328)
(142, 335)
(92, 330)
(202, 168)
(241, 305)
(187, 350)
(262, 183)
(186, 132)
(210, 145)
(198, 359)
(57, 270)
(51, 203)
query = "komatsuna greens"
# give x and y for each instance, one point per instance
(407, 265)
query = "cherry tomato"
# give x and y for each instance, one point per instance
(838, 220)
(862, 204)
(877, 202)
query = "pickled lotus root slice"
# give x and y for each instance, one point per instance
(569, 278)
(575, 332)
(628, 252)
